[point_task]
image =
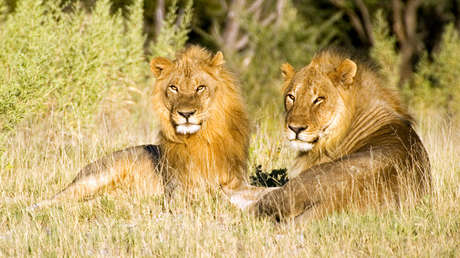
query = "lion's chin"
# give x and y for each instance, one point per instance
(301, 146)
(187, 129)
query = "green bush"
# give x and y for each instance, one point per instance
(69, 62)
(436, 84)
(291, 40)
(53, 60)
(174, 33)
(384, 51)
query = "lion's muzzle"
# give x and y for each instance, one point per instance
(186, 122)
(300, 139)
(187, 128)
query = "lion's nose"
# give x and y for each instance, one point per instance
(186, 114)
(297, 129)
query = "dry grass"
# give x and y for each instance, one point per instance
(40, 159)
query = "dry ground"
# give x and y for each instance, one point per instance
(40, 159)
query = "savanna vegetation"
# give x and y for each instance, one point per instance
(75, 84)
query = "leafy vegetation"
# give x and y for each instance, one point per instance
(174, 32)
(75, 84)
(436, 84)
(53, 61)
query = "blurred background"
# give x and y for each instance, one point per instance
(73, 58)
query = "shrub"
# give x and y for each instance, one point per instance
(69, 62)
(383, 52)
(174, 32)
(436, 84)
(292, 40)
(65, 62)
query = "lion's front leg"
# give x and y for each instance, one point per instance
(246, 195)
(328, 186)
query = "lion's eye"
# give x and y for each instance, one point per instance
(200, 88)
(318, 100)
(290, 97)
(172, 88)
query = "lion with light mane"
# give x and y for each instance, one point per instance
(356, 144)
(204, 135)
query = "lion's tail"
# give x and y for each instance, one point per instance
(132, 167)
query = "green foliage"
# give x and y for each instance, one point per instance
(384, 51)
(436, 84)
(136, 40)
(3, 10)
(174, 32)
(65, 62)
(291, 39)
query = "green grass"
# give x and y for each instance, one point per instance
(41, 159)
(73, 86)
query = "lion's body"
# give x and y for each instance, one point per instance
(207, 147)
(364, 150)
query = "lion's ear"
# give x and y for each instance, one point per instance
(218, 59)
(158, 64)
(287, 71)
(345, 72)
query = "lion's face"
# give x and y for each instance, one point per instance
(187, 89)
(313, 102)
(187, 99)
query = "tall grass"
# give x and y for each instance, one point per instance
(59, 68)
(42, 160)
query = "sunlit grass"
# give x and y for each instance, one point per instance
(41, 159)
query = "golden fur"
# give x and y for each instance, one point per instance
(355, 141)
(203, 139)
(217, 153)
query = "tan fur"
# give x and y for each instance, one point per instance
(356, 141)
(217, 153)
(214, 156)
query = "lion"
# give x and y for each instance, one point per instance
(355, 141)
(203, 138)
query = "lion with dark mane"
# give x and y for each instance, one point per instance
(204, 135)
(355, 141)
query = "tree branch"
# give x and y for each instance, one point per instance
(232, 24)
(411, 18)
(279, 11)
(398, 21)
(354, 18)
(159, 15)
(366, 19)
